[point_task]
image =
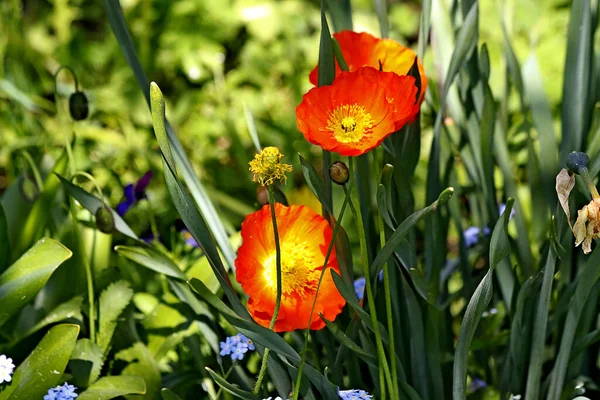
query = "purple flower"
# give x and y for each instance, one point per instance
(134, 193)
(189, 239)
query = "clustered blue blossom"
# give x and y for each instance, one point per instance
(471, 235)
(359, 287)
(354, 394)
(62, 392)
(6, 369)
(236, 346)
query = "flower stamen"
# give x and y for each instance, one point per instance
(350, 123)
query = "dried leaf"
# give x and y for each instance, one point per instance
(564, 184)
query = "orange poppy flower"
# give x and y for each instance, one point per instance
(363, 49)
(358, 111)
(304, 237)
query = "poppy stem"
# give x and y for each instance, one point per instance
(370, 296)
(263, 367)
(336, 229)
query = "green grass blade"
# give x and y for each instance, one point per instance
(587, 280)
(576, 105)
(207, 209)
(539, 331)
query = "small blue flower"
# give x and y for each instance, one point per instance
(238, 353)
(471, 235)
(6, 368)
(354, 394)
(477, 384)
(248, 342)
(64, 392)
(359, 287)
(236, 346)
(226, 347)
(134, 193)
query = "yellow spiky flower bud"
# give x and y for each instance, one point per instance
(267, 167)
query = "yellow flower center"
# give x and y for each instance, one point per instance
(266, 166)
(349, 123)
(298, 273)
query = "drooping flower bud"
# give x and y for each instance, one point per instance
(29, 189)
(338, 172)
(105, 222)
(78, 106)
(576, 161)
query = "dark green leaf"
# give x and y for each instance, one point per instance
(229, 388)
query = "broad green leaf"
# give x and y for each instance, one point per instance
(4, 243)
(113, 301)
(86, 362)
(142, 364)
(69, 309)
(229, 388)
(539, 331)
(21, 282)
(151, 258)
(111, 387)
(92, 204)
(44, 366)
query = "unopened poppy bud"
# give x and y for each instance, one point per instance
(338, 172)
(78, 106)
(29, 189)
(105, 221)
(576, 161)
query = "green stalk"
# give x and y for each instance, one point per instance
(263, 367)
(336, 228)
(370, 297)
(388, 308)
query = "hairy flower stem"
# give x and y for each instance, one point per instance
(263, 367)
(336, 228)
(370, 296)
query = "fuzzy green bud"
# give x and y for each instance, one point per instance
(105, 222)
(338, 172)
(78, 106)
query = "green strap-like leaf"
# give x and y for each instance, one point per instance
(229, 388)
(20, 283)
(151, 258)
